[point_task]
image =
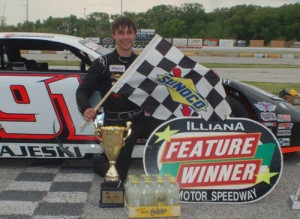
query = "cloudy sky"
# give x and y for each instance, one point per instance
(15, 11)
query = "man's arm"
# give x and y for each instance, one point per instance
(89, 85)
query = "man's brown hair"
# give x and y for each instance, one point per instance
(122, 22)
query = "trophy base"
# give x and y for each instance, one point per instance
(111, 194)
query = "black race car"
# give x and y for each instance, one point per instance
(281, 117)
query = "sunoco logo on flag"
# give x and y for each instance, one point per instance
(168, 84)
(183, 91)
(235, 161)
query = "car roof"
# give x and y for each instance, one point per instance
(89, 47)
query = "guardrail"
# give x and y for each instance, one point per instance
(257, 52)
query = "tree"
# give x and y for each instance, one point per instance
(189, 20)
(239, 22)
(4, 27)
(27, 26)
(290, 21)
(264, 24)
(191, 14)
(158, 15)
(218, 26)
(174, 27)
(97, 24)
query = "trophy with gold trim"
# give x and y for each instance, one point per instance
(112, 139)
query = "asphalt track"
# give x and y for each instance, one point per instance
(68, 189)
(281, 75)
(43, 189)
(287, 75)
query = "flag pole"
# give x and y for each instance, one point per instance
(96, 108)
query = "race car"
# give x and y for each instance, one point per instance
(38, 111)
(281, 117)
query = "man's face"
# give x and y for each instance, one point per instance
(124, 38)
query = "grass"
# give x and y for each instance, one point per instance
(234, 65)
(275, 88)
(61, 63)
(208, 65)
(271, 87)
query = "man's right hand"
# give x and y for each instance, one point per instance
(89, 114)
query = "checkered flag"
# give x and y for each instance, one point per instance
(168, 84)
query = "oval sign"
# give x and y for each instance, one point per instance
(235, 161)
(108, 41)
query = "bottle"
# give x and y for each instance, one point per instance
(166, 179)
(172, 192)
(128, 181)
(145, 177)
(147, 193)
(127, 184)
(134, 193)
(160, 192)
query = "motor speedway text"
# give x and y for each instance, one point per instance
(217, 195)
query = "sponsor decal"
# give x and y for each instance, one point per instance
(235, 161)
(115, 76)
(180, 42)
(284, 141)
(284, 118)
(182, 90)
(210, 42)
(284, 132)
(265, 107)
(268, 116)
(117, 68)
(195, 42)
(285, 125)
(91, 45)
(108, 41)
(269, 124)
(26, 35)
(32, 150)
(240, 43)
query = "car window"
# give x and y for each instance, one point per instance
(39, 55)
(56, 60)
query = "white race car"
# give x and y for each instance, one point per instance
(38, 111)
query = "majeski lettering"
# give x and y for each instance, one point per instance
(38, 151)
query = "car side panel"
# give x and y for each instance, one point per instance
(40, 108)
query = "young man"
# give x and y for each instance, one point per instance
(103, 73)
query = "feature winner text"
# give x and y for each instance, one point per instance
(210, 161)
(216, 165)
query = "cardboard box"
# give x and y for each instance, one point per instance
(295, 100)
(257, 43)
(153, 211)
(278, 43)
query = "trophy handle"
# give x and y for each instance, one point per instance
(97, 130)
(127, 131)
(98, 135)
